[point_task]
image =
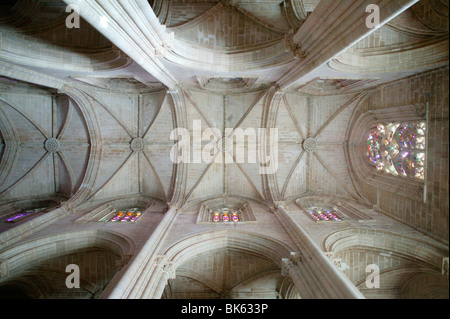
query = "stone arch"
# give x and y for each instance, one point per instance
(288, 290)
(425, 285)
(123, 202)
(260, 245)
(43, 261)
(72, 108)
(241, 205)
(348, 208)
(96, 211)
(360, 170)
(91, 120)
(399, 257)
(24, 287)
(49, 203)
(24, 255)
(232, 243)
(194, 204)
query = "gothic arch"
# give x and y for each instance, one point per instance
(403, 261)
(18, 258)
(98, 254)
(139, 200)
(347, 208)
(263, 246)
(48, 204)
(412, 247)
(267, 250)
(91, 120)
(361, 171)
(425, 285)
(73, 180)
(222, 199)
(288, 290)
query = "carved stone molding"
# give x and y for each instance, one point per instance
(294, 260)
(52, 145)
(278, 204)
(329, 254)
(165, 46)
(122, 262)
(286, 266)
(291, 45)
(310, 145)
(165, 265)
(225, 144)
(137, 145)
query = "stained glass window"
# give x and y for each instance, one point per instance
(130, 216)
(216, 217)
(20, 214)
(320, 214)
(374, 147)
(398, 148)
(223, 215)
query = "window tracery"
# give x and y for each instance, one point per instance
(398, 148)
(22, 213)
(324, 214)
(130, 215)
(224, 215)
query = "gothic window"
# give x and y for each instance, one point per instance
(21, 214)
(224, 215)
(129, 216)
(398, 148)
(106, 214)
(321, 214)
(229, 212)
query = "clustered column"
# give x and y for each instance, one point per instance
(148, 272)
(312, 272)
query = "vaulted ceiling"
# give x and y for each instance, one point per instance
(229, 64)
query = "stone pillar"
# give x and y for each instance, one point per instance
(132, 26)
(310, 269)
(166, 271)
(291, 267)
(145, 274)
(319, 39)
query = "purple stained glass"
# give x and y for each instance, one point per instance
(21, 214)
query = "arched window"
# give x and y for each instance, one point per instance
(324, 214)
(22, 214)
(398, 148)
(130, 215)
(224, 215)
(106, 213)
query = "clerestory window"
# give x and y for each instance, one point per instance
(398, 149)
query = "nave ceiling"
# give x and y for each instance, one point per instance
(226, 62)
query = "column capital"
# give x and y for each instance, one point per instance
(296, 258)
(279, 204)
(163, 263)
(295, 47)
(174, 205)
(68, 206)
(286, 266)
(66, 88)
(292, 261)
